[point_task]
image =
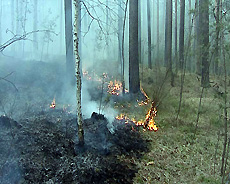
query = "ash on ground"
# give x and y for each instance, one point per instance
(43, 149)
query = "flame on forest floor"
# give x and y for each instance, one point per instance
(53, 104)
(148, 123)
(114, 88)
(147, 99)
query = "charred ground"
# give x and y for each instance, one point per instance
(39, 144)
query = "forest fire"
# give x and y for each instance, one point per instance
(53, 104)
(149, 119)
(148, 123)
(115, 88)
(147, 99)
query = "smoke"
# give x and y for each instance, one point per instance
(88, 106)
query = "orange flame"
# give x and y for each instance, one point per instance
(115, 88)
(148, 123)
(53, 104)
(147, 99)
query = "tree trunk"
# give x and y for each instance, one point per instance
(149, 34)
(107, 29)
(1, 42)
(139, 32)
(166, 33)
(189, 64)
(195, 44)
(204, 41)
(69, 41)
(12, 21)
(163, 29)
(152, 37)
(79, 33)
(168, 39)
(175, 32)
(78, 73)
(61, 27)
(35, 21)
(181, 38)
(134, 82)
(216, 48)
(123, 50)
(158, 35)
(222, 171)
(17, 12)
(119, 33)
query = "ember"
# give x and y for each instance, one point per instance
(53, 104)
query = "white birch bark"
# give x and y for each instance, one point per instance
(78, 73)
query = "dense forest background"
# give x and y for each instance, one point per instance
(114, 91)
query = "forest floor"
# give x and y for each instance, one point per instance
(38, 143)
(176, 155)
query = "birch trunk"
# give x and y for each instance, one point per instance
(78, 73)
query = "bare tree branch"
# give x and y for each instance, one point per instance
(24, 36)
(4, 78)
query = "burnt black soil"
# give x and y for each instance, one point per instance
(43, 149)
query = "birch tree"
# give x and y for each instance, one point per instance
(78, 73)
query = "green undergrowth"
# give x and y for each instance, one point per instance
(176, 154)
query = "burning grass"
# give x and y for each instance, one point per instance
(173, 156)
(148, 123)
(53, 104)
(165, 156)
